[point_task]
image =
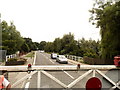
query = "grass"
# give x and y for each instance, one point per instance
(81, 61)
(31, 54)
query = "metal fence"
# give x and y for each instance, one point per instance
(10, 56)
(72, 57)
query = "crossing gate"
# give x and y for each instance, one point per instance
(94, 70)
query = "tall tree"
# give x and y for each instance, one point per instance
(57, 45)
(68, 43)
(25, 48)
(106, 16)
(30, 43)
(49, 47)
(42, 45)
(11, 38)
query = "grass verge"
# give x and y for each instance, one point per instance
(31, 54)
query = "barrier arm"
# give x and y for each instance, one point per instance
(56, 67)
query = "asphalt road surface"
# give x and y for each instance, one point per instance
(43, 79)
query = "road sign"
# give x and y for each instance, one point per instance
(94, 83)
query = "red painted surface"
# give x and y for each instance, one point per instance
(29, 65)
(117, 60)
(78, 65)
(93, 83)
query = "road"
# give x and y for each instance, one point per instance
(40, 80)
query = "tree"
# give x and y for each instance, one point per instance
(31, 45)
(25, 48)
(42, 45)
(68, 43)
(107, 18)
(11, 38)
(37, 45)
(89, 48)
(57, 45)
(49, 47)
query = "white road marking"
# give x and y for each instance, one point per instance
(68, 74)
(39, 79)
(51, 61)
(48, 59)
(27, 85)
(71, 63)
(29, 77)
(34, 59)
(23, 84)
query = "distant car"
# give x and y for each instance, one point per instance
(42, 51)
(62, 59)
(53, 55)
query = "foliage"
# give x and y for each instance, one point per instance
(31, 54)
(22, 59)
(68, 45)
(25, 48)
(31, 44)
(37, 45)
(49, 47)
(42, 45)
(12, 59)
(16, 59)
(12, 42)
(11, 38)
(106, 16)
(57, 43)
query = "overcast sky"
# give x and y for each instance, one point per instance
(45, 20)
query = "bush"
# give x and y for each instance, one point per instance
(12, 59)
(16, 61)
(22, 59)
(89, 54)
(31, 54)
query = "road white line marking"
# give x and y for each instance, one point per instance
(71, 63)
(54, 78)
(48, 59)
(27, 85)
(68, 74)
(51, 61)
(29, 77)
(39, 79)
(23, 84)
(34, 59)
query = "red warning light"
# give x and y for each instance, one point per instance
(78, 65)
(93, 83)
(117, 61)
(29, 65)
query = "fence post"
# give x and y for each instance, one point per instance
(75, 58)
(6, 59)
(72, 58)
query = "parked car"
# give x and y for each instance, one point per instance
(53, 55)
(61, 59)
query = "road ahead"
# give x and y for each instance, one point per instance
(65, 77)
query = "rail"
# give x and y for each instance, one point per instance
(72, 57)
(10, 56)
